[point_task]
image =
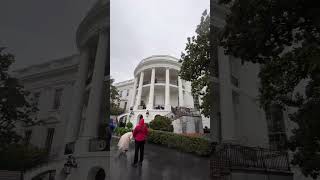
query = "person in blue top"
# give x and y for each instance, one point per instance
(112, 125)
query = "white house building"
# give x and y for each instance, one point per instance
(154, 90)
(69, 94)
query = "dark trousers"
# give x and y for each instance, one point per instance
(139, 146)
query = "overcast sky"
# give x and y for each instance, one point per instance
(141, 28)
(36, 31)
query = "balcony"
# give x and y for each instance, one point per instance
(174, 82)
(228, 157)
(161, 81)
(145, 82)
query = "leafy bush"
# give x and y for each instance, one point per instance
(196, 145)
(161, 123)
(21, 157)
(129, 125)
(121, 130)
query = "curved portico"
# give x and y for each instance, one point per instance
(157, 87)
(92, 39)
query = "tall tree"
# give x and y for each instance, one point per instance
(114, 99)
(283, 36)
(15, 105)
(195, 63)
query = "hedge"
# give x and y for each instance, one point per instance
(196, 145)
(119, 131)
(161, 123)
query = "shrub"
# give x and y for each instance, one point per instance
(161, 123)
(196, 145)
(121, 130)
(129, 125)
(21, 157)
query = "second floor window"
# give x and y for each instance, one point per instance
(57, 99)
(27, 136)
(127, 92)
(49, 139)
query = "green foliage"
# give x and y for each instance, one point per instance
(161, 123)
(15, 108)
(196, 66)
(116, 110)
(196, 145)
(18, 157)
(284, 37)
(119, 131)
(114, 97)
(129, 125)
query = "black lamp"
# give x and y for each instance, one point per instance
(71, 163)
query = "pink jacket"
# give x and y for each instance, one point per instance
(140, 132)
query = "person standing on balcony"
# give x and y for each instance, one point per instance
(140, 134)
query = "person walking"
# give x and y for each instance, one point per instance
(140, 134)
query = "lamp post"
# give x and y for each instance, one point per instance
(71, 163)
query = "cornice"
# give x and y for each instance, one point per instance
(158, 59)
(59, 65)
(124, 83)
(95, 21)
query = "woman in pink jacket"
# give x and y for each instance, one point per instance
(140, 134)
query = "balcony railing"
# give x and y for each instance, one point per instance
(228, 157)
(146, 82)
(160, 81)
(174, 83)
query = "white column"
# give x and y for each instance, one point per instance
(133, 92)
(95, 97)
(167, 90)
(226, 104)
(74, 121)
(151, 94)
(181, 100)
(139, 90)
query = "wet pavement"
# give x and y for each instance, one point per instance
(160, 163)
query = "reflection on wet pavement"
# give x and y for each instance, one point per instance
(159, 163)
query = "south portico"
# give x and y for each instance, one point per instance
(157, 87)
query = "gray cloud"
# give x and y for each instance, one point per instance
(147, 27)
(36, 31)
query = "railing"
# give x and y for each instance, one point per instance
(159, 107)
(160, 81)
(229, 157)
(174, 83)
(146, 82)
(183, 111)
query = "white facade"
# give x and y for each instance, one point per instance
(70, 99)
(51, 84)
(155, 88)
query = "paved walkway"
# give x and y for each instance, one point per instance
(159, 163)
